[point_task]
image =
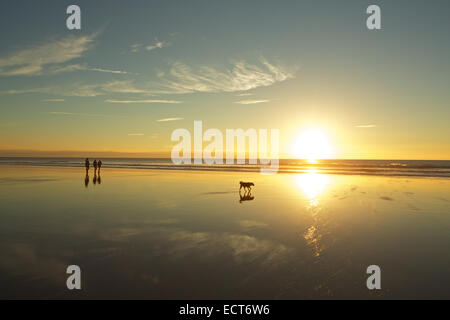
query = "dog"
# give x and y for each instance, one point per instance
(246, 185)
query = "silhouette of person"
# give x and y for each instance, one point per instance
(95, 165)
(86, 179)
(99, 163)
(86, 164)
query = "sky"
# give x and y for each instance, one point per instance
(137, 70)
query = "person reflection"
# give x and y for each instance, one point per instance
(99, 178)
(247, 196)
(86, 179)
(94, 180)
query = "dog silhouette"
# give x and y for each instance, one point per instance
(246, 185)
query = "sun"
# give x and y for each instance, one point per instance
(312, 144)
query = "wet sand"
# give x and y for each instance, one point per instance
(159, 234)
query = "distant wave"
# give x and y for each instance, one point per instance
(424, 168)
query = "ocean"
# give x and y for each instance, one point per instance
(425, 168)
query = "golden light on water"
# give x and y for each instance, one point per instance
(311, 145)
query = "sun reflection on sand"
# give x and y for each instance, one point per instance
(313, 185)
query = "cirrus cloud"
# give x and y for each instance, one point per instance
(251, 101)
(141, 101)
(44, 57)
(51, 57)
(241, 76)
(169, 119)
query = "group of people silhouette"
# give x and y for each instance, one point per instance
(97, 166)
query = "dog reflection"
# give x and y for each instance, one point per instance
(247, 196)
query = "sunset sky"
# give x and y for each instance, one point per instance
(138, 70)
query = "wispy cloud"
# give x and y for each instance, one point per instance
(80, 67)
(42, 58)
(245, 94)
(169, 119)
(179, 79)
(83, 90)
(142, 101)
(105, 70)
(52, 100)
(241, 76)
(366, 126)
(157, 44)
(251, 101)
(61, 113)
(51, 58)
(123, 86)
(135, 134)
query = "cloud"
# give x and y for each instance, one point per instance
(105, 70)
(169, 119)
(125, 86)
(45, 57)
(241, 76)
(245, 94)
(60, 113)
(179, 79)
(79, 67)
(251, 101)
(52, 100)
(82, 90)
(156, 45)
(366, 126)
(142, 101)
(51, 58)
(135, 134)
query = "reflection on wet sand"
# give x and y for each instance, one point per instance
(313, 185)
(247, 196)
(132, 235)
(96, 179)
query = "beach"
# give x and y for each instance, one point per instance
(185, 234)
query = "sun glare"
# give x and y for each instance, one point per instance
(312, 184)
(312, 145)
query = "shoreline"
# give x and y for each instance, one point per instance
(200, 169)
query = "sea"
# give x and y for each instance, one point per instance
(424, 168)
